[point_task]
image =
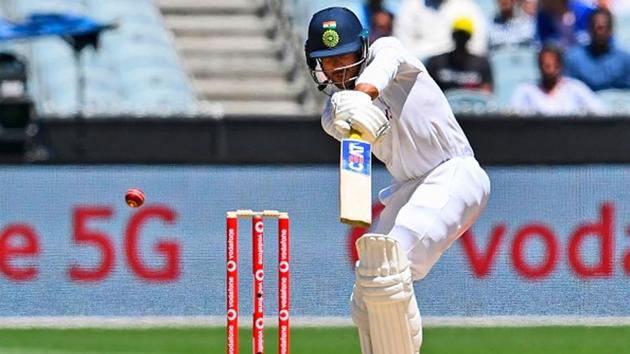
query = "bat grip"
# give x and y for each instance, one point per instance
(354, 134)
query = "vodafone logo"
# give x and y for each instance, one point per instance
(283, 267)
(284, 315)
(259, 226)
(232, 315)
(259, 323)
(259, 275)
(231, 266)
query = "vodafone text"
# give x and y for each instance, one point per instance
(601, 230)
(596, 236)
(20, 247)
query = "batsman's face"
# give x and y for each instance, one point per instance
(340, 69)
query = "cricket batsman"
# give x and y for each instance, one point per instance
(438, 191)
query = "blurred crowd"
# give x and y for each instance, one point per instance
(552, 57)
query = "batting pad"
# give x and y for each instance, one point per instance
(384, 279)
(360, 319)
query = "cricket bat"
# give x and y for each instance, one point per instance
(355, 181)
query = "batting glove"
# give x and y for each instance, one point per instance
(355, 110)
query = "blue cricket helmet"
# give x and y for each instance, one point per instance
(334, 31)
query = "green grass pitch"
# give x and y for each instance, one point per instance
(338, 340)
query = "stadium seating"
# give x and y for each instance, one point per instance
(622, 31)
(229, 47)
(471, 101)
(618, 101)
(509, 68)
(243, 55)
(488, 7)
(25, 7)
(133, 62)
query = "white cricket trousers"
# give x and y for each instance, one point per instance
(427, 215)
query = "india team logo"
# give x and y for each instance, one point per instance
(330, 38)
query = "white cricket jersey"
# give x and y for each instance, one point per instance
(424, 132)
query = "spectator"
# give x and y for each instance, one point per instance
(422, 29)
(454, 9)
(528, 7)
(562, 22)
(555, 94)
(382, 23)
(460, 68)
(424, 26)
(600, 64)
(509, 28)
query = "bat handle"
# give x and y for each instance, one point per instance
(354, 134)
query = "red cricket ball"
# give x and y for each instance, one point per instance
(134, 197)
